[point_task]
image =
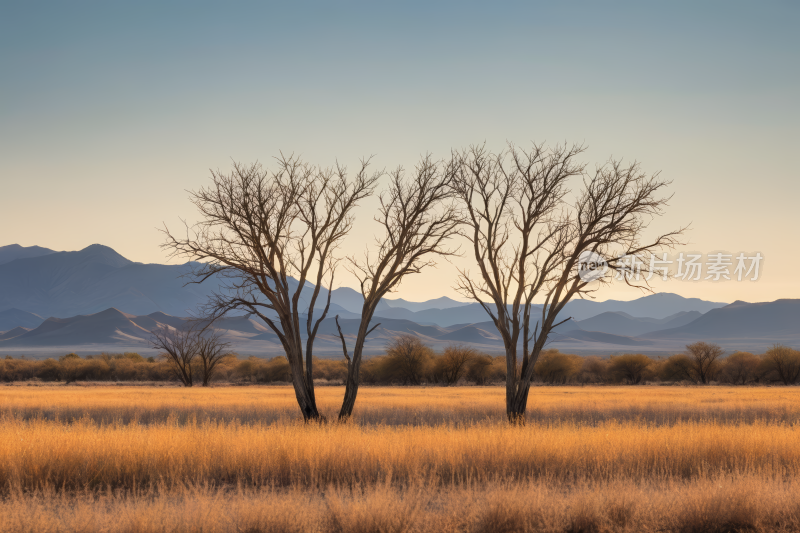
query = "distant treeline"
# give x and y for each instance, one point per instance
(410, 362)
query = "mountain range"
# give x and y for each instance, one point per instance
(64, 284)
(738, 326)
(98, 299)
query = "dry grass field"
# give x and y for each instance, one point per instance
(108, 458)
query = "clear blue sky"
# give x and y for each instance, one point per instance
(109, 111)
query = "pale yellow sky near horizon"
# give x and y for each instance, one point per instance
(109, 113)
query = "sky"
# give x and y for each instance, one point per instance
(111, 111)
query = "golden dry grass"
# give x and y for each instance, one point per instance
(404, 405)
(722, 505)
(424, 459)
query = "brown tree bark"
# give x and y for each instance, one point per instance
(528, 240)
(268, 235)
(418, 222)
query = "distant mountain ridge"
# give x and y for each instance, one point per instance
(765, 320)
(738, 326)
(653, 306)
(97, 296)
(96, 278)
(11, 252)
(87, 281)
(65, 284)
(620, 323)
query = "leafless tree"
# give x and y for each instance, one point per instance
(210, 351)
(480, 369)
(180, 348)
(630, 367)
(555, 368)
(270, 234)
(407, 358)
(528, 240)
(417, 224)
(704, 360)
(741, 368)
(454, 363)
(679, 367)
(785, 361)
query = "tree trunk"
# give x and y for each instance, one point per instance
(516, 408)
(354, 368)
(350, 392)
(303, 389)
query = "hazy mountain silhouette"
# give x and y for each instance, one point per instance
(465, 314)
(654, 307)
(93, 286)
(657, 306)
(619, 323)
(776, 320)
(736, 326)
(438, 303)
(13, 318)
(93, 279)
(600, 337)
(108, 327)
(12, 252)
(66, 284)
(473, 334)
(16, 332)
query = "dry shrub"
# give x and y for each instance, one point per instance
(704, 360)
(630, 368)
(555, 367)
(479, 370)
(451, 366)
(784, 362)
(740, 368)
(593, 370)
(407, 360)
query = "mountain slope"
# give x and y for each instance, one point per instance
(96, 278)
(438, 303)
(108, 327)
(13, 252)
(740, 320)
(619, 323)
(16, 332)
(13, 318)
(660, 305)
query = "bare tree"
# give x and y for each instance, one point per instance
(453, 363)
(417, 224)
(528, 241)
(210, 351)
(785, 361)
(269, 234)
(704, 360)
(740, 368)
(407, 359)
(480, 369)
(679, 367)
(554, 367)
(630, 367)
(180, 348)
